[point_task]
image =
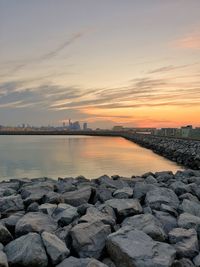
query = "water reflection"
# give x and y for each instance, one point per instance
(62, 156)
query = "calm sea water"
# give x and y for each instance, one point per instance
(64, 156)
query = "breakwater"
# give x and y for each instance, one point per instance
(182, 151)
(149, 220)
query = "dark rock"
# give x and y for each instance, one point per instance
(189, 196)
(125, 207)
(128, 247)
(33, 207)
(169, 209)
(185, 242)
(184, 262)
(27, 250)
(52, 197)
(64, 234)
(35, 222)
(148, 224)
(55, 248)
(179, 188)
(191, 207)
(103, 194)
(150, 180)
(106, 181)
(196, 260)
(11, 204)
(64, 214)
(83, 208)
(5, 235)
(47, 208)
(108, 262)
(168, 221)
(88, 239)
(141, 189)
(77, 197)
(12, 220)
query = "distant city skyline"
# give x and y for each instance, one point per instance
(107, 63)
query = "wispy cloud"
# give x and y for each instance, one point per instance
(190, 41)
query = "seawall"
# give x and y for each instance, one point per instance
(182, 151)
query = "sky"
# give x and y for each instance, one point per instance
(108, 62)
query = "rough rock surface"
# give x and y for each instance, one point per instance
(143, 221)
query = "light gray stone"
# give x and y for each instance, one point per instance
(27, 250)
(55, 248)
(148, 224)
(88, 239)
(128, 247)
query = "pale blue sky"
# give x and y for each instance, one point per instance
(103, 61)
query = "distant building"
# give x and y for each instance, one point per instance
(186, 131)
(85, 126)
(74, 126)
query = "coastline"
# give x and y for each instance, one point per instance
(109, 221)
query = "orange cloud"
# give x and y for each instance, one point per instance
(191, 41)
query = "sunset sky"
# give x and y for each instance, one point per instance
(107, 62)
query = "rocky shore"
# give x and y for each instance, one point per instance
(182, 151)
(147, 221)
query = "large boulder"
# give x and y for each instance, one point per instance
(180, 188)
(35, 222)
(11, 204)
(84, 262)
(185, 242)
(147, 223)
(12, 220)
(191, 207)
(141, 189)
(55, 248)
(158, 196)
(27, 250)
(78, 197)
(5, 235)
(47, 208)
(88, 239)
(125, 207)
(106, 181)
(64, 214)
(187, 221)
(128, 247)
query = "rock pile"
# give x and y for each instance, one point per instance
(185, 152)
(147, 221)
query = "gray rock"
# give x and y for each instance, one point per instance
(169, 209)
(64, 214)
(164, 176)
(47, 208)
(150, 180)
(103, 194)
(35, 222)
(64, 234)
(11, 204)
(191, 207)
(33, 207)
(93, 214)
(108, 262)
(185, 242)
(168, 221)
(82, 209)
(3, 259)
(141, 189)
(184, 262)
(84, 262)
(52, 197)
(88, 239)
(125, 207)
(148, 224)
(158, 196)
(5, 235)
(55, 248)
(189, 196)
(179, 188)
(125, 192)
(78, 197)
(1, 246)
(188, 221)
(128, 247)
(196, 260)
(27, 250)
(12, 220)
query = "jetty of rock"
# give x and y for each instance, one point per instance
(151, 220)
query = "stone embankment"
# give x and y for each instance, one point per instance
(152, 220)
(183, 151)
